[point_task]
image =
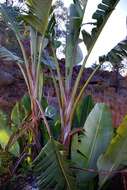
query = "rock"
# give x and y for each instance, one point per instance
(6, 78)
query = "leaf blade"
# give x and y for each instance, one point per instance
(97, 130)
(38, 14)
(52, 152)
(115, 155)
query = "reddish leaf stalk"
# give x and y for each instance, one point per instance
(103, 172)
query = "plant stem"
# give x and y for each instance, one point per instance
(58, 97)
(29, 83)
(81, 93)
(38, 69)
(124, 181)
(14, 137)
(103, 172)
(33, 45)
(22, 156)
(62, 90)
(25, 77)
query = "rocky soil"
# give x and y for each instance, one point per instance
(12, 86)
(104, 87)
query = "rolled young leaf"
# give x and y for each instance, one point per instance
(76, 13)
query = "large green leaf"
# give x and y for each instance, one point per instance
(21, 110)
(5, 134)
(6, 55)
(80, 6)
(51, 24)
(82, 111)
(87, 148)
(101, 16)
(115, 156)
(73, 29)
(17, 114)
(75, 18)
(87, 39)
(52, 169)
(38, 14)
(117, 54)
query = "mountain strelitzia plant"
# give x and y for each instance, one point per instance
(81, 144)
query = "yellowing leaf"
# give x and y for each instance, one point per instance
(116, 155)
(5, 134)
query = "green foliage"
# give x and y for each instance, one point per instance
(52, 168)
(38, 14)
(6, 55)
(40, 86)
(72, 35)
(11, 19)
(116, 55)
(87, 39)
(17, 114)
(5, 134)
(5, 162)
(50, 112)
(82, 111)
(87, 148)
(101, 15)
(73, 30)
(26, 104)
(53, 118)
(51, 25)
(115, 157)
(21, 110)
(44, 102)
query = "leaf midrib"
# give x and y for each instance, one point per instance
(95, 137)
(60, 164)
(115, 163)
